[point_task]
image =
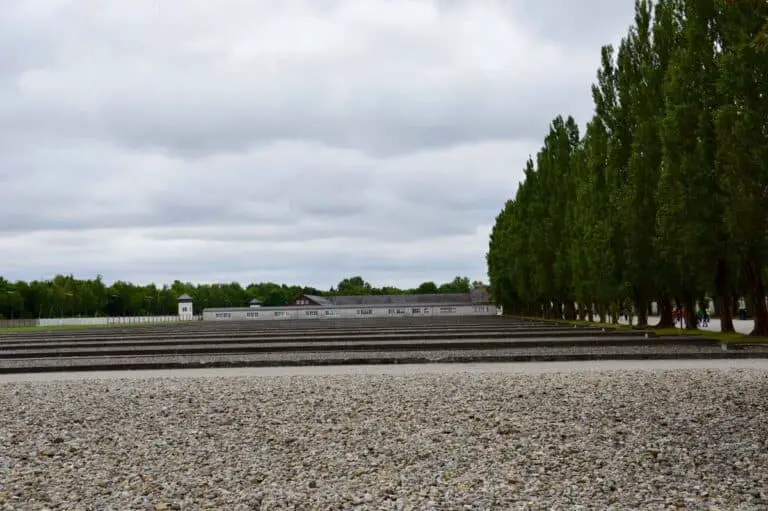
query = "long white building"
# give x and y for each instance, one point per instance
(474, 303)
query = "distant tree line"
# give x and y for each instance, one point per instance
(66, 296)
(665, 196)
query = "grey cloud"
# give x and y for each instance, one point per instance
(396, 125)
(587, 24)
(28, 221)
(411, 92)
(447, 192)
(21, 45)
(330, 210)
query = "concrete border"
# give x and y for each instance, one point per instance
(383, 360)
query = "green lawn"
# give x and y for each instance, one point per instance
(727, 338)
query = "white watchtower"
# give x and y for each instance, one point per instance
(185, 307)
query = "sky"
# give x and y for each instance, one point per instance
(299, 141)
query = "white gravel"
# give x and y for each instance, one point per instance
(682, 439)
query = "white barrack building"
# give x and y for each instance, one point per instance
(474, 303)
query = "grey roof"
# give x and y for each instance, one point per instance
(254, 301)
(185, 298)
(453, 298)
(320, 300)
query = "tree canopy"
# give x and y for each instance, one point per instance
(664, 197)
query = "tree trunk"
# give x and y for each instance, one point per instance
(582, 312)
(753, 272)
(591, 312)
(725, 305)
(642, 312)
(666, 318)
(614, 313)
(724, 297)
(601, 312)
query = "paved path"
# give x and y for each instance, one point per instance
(406, 369)
(742, 326)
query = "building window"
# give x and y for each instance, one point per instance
(281, 314)
(331, 313)
(416, 310)
(222, 315)
(251, 314)
(365, 312)
(447, 310)
(311, 313)
(183, 309)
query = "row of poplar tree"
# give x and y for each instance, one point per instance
(665, 196)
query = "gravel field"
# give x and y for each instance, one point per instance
(675, 439)
(405, 355)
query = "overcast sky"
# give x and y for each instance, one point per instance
(297, 141)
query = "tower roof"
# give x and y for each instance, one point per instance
(185, 298)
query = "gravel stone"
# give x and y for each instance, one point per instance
(674, 439)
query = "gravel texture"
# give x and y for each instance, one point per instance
(685, 439)
(444, 355)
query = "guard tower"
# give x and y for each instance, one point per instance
(254, 303)
(185, 307)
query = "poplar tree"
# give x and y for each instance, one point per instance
(742, 128)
